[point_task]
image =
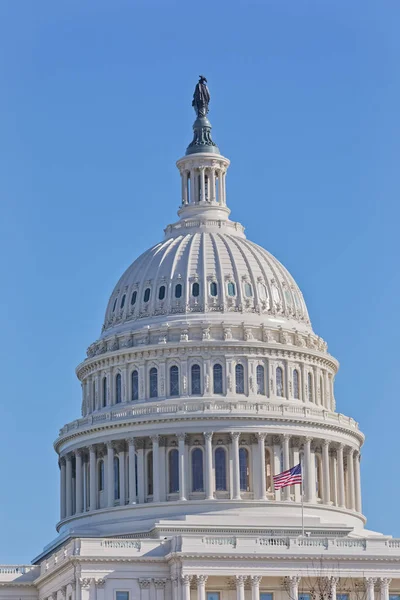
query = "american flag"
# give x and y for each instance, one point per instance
(289, 477)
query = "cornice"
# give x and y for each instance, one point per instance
(177, 417)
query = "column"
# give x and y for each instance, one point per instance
(240, 579)
(333, 585)
(202, 184)
(350, 462)
(184, 187)
(236, 468)
(370, 583)
(255, 587)
(192, 186)
(201, 587)
(68, 485)
(211, 184)
(277, 450)
(132, 471)
(308, 488)
(92, 478)
(296, 461)
(122, 493)
(156, 468)
(292, 583)
(185, 580)
(181, 449)
(357, 481)
(384, 588)
(62, 487)
(286, 462)
(144, 585)
(110, 474)
(100, 583)
(333, 477)
(340, 466)
(78, 482)
(326, 492)
(140, 469)
(208, 462)
(261, 462)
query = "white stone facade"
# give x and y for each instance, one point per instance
(206, 381)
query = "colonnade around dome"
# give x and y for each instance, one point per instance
(207, 466)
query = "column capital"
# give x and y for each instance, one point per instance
(293, 580)
(63, 591)
(155, 438)
(100, 583)
(181, 437)
(384, 582)
(61, 461)
(308, 439)
(340, 447)
(110, 445)
(85, 582)
(235, 435)
(255, 580)
(92, 448)
(240, 579)
(208, 435)
(261, 435)
(201, 579)
(131, 441)
(186, 579)
(371, 581)
(159, 584)
(350, 451)
(79, 452)
(325, 443)
(144, 584)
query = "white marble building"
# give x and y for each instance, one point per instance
(207, 380)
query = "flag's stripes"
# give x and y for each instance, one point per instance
(290, 477)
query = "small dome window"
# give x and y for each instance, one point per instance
(115, 304)
(161, 293)
(133, 298)
(213, 288)
(231, 289)
(262, 290)
(178, 290)
(146, 296)
(195, 289)
(123, 301)
(248, 290)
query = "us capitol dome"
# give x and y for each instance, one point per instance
(206, 380)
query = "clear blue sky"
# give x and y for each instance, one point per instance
(95, 108)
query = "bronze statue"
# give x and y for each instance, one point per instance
(201, 97)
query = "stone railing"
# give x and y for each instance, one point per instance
(20, 574)
(209, 408)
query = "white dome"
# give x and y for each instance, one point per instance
(205, 271)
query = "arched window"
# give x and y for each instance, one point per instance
(146, 296)
(260, 380)
(123, 301)
(310, 388)
(197, 470)
(104, 393)
(149, 461)
(217, 379)
(161, 293)
(178, 290)
(248, 290)
(279, 381)
(231, 289)
(116, 478)
(173, 468)
(153, 381)
(196, 387)
(296, 387)
(100, 474)
(220, 470)
(213, 288)
(115, 304)
(133, 298)
(174, 381)
(135, 385)
(239, 378)
(195, 289)
(244, 469)
(118, 389)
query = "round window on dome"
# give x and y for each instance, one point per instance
(133, 298)
(161, 293)
(248, 290)
(178, 290)
(146, 296)
(231, 289)
(213, 288)
(195, 289)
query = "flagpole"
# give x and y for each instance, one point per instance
(302, 507)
